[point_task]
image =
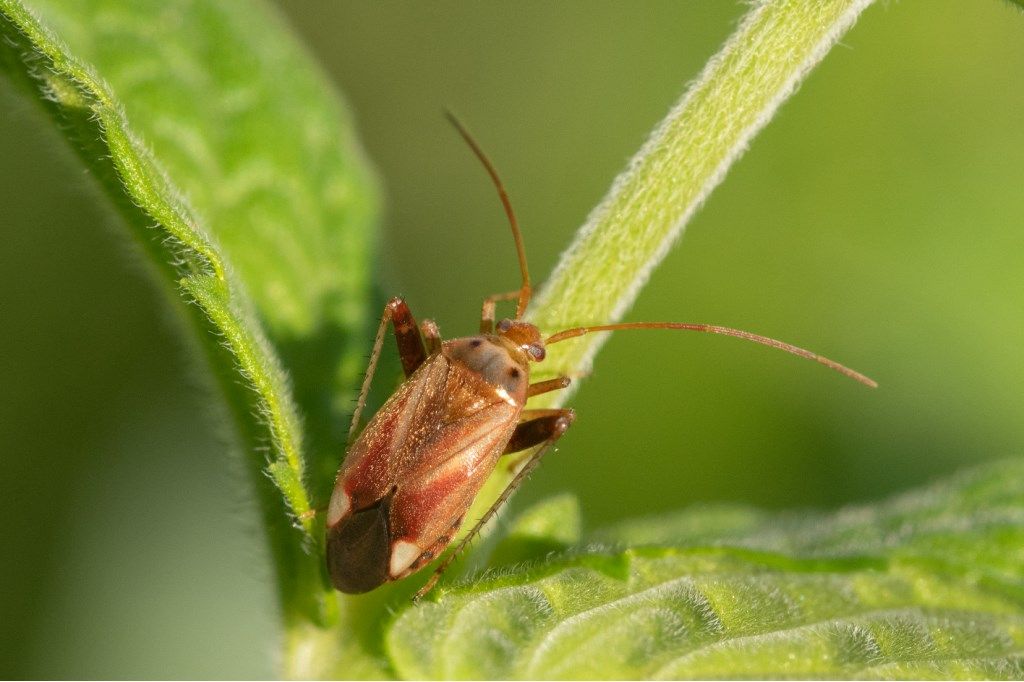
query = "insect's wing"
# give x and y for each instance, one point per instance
(413, 472)
(471, 423)
(379, 459)
(430, 505)
(359, 543)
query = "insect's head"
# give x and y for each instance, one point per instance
(523, 336)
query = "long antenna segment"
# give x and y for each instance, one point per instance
(525, 290)
(715, 329)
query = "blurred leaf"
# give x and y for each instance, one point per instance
(209, 123)
(550, 526)
(929, 584)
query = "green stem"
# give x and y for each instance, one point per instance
(686, 157)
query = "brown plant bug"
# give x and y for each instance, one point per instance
(411, 475)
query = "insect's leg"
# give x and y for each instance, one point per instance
(547, 386)
(410, 349)
(487, 314)
(431, 335)
(553, 426)
(536, 428)
(407, 335)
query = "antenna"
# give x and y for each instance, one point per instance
(715, 329)
(525, 290)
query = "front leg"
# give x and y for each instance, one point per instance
(487, 313)
(431, 335)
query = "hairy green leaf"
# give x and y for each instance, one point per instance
(929, 584)
(234, 165)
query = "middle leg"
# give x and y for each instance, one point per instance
(537, 427)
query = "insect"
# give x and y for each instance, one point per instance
(409, 478)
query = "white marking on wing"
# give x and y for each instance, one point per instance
(403, 553)
(339, 506)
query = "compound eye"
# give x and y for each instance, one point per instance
(536, 352)
(504, 325)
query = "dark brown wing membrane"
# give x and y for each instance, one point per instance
(358, 549)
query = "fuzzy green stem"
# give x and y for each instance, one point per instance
(686, 157)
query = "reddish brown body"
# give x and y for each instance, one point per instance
(415, 469)
(413, 472)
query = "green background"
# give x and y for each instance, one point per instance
(875, 220)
